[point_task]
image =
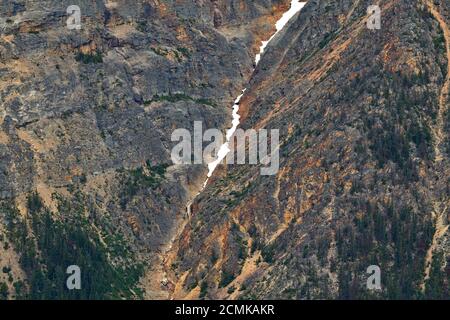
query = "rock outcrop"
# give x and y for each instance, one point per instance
(360, 182)
(86, 115)
(86, 177)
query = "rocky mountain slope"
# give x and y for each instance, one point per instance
(364, 175)
(86, 118)
(86, 177)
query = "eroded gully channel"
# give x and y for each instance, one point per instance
(159, 275)
(296, 6)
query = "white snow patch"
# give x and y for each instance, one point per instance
(296, 6)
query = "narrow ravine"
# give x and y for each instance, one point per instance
(295, 7)
(439, 129)
(440, 206)
(440, 229)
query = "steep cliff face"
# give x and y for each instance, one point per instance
(86, 178)
(86, 118)
(364, 173)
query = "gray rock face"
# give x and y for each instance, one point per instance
(359, 182)
(81, 110)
